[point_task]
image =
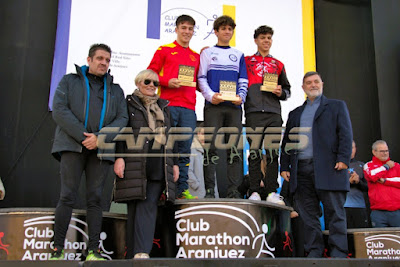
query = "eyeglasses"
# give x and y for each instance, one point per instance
(148, 81)
(383, 151)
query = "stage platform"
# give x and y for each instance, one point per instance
(216, 228)
(199, 232)
(292, 262)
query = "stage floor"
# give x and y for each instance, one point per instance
(158, 262)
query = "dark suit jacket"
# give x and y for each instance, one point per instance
(332, 142)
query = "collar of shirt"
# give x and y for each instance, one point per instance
(259, 54)
(95, 78)
(316, 101)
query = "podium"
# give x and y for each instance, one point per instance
(223, 228)
(217, 228)
(27, 234)
(376, 243)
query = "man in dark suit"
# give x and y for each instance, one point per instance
(317, 169)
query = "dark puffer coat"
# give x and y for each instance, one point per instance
(133, 185)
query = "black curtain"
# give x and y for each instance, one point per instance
(28, 171)
(345, 57)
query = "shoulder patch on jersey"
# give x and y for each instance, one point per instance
(171, 45)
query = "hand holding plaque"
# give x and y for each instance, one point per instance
(227, 90)
(186, 76)
(270, 82)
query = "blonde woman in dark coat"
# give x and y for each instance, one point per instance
(146, 171)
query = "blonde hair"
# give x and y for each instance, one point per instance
(144, 74)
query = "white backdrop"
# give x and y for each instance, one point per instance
(122, 24)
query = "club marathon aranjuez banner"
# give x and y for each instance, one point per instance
(134, 29)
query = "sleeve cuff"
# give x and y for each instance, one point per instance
(386, 166)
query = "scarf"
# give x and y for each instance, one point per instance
(154, 113)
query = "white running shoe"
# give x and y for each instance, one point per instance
(255, 196)
(275, 198)
(141, 256)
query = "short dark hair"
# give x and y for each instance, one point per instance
(96, 47)
(184, 18)
(264, 29)
(311, 73)
(224, 21)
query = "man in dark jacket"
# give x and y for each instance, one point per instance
(317, 171)
(263, 109)
(83, 104)
(357, 202)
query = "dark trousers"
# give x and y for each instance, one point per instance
(223, 116)
(357, 218)
(142, 216)
(263, 120)
(72, 166)
(183, 117)
(307, 199)
(298, 236)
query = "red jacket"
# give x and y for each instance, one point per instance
(259, 101)
(384, 196)
(166, 63)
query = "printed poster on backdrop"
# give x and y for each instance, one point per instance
(135, 29)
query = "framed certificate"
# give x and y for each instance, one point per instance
(186, 75)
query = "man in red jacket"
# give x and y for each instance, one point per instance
(177, 66)
(383, 176)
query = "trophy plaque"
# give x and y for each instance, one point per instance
(270, 81)
(186, 76)
(227, 90)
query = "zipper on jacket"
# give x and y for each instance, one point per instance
(140, 106)
(165, 162)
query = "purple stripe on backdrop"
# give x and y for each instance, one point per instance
(61, 49)
(153, 19)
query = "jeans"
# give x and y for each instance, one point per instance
(72, 166)
(385, 218)
(183, 117)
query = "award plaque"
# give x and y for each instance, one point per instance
(270, 82)
(227, 90)
(186, 76)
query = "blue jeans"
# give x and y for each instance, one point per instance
(385, 218)
(183, 117)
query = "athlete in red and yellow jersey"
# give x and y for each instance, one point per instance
(166, 62)
(177, 67)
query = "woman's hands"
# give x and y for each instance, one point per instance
(119, 167)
